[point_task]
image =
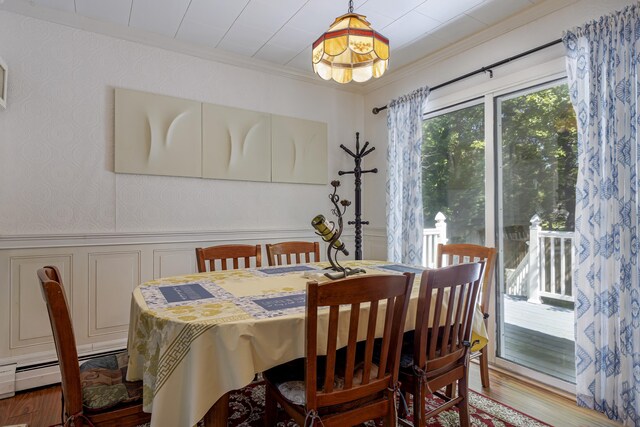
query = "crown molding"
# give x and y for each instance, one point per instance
(26, 8)
(525, 17)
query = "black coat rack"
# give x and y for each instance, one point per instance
(357, 173)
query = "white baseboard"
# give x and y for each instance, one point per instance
(26, 380)
(7, 381)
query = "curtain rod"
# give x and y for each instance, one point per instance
(485, 69)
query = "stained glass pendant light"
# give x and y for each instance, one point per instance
(350, 50)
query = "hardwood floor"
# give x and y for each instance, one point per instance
(41, 408)
(36, 408)
(538, 402)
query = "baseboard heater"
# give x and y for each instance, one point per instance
(16, 378)
(55, 362)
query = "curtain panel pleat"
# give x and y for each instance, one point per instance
(405, 221)
(602, 66)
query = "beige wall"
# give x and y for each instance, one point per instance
(56, 137)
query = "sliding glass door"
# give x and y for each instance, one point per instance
(536, 151)
(501, 170)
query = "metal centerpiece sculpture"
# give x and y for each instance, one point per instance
(331, 232)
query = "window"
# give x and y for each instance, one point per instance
(453, 172)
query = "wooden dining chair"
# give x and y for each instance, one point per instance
(460, 253)
(223, 253)
(437, 353)
(285, 252)
(95, 393)
(353, 384)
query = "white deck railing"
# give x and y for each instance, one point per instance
(431, 237)
(517, 280)
(545, 270)
(551, 259)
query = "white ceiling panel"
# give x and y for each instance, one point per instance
(158, 16)
(292, 38)
(264, 13)
(207, 21)
(282, 31)
(445, 10)
(378, 20)
(116, 11)
(459, 28)
(393, 9)
(408, 28)
(317, 15)
(65, 5)
(428, 43)
(202, 34)
(274, 52)
(497, 10)
(244, 39)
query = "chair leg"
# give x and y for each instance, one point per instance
(419, 396)
(402, 413)
(218, 414)
(270, 407)
(463, 406)
(451, 390)
(390, 419)
(484, 367)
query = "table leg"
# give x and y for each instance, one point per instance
(219, 413)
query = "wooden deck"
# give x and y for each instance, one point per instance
(539, 336)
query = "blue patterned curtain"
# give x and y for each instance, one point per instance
(404, 179)
(602, 66)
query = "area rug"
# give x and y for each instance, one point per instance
(246, 407)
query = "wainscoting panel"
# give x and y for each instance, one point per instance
(112, 278)
(173, 262)
(99, 273)
(375, 243)
(29, 321)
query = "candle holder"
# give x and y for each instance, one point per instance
(331, 232)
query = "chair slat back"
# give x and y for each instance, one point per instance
(363, 296)
(225, 253)
(443, 331)
(465, 253)
(63, 337)
(287, 253)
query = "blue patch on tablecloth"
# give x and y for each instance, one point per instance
(186, 292)
(282, 303)
(402, 268)
(288, 269)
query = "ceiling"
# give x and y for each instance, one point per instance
(282, 31)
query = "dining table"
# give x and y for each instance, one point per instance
(194, 338)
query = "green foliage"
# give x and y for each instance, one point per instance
(453, 172)
(539, 149)
(539, 158)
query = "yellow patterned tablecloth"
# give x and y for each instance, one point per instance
(194, 338)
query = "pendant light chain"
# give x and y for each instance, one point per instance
(350, 6)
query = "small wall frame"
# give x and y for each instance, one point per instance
(4, 71)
